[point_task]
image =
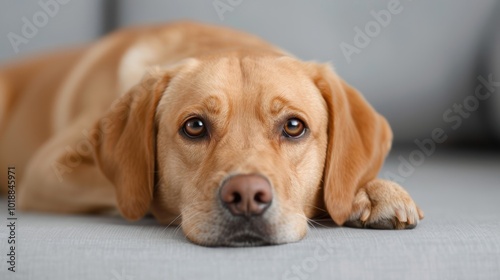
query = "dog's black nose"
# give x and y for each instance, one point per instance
(246, 195)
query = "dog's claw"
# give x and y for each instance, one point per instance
(365, 215)
(401, 215)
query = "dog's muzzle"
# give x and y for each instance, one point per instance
(245, 199)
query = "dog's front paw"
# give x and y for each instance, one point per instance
(382, 204)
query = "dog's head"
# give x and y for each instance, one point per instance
(242, 149)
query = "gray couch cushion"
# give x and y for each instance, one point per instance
(458, 239)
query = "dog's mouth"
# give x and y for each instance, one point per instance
(242, 232)
(246, 240)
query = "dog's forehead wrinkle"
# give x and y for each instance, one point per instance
(214, 104)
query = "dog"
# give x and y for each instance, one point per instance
(209, 128)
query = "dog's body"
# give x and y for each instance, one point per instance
(200, 124)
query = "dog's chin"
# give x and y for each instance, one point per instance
(245, 236)
(225, 230)
(242, 236)
(246, 240)
(235, 239)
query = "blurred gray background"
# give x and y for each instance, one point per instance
(413, 68)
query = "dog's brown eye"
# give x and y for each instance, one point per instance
(194, 128)
(294, 128)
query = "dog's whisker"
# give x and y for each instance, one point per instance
(315, 207)
(164, 229)
(311, 222)
(189, 232)
(183, 220)
(317, 223)
(302, 216)
(177, 229)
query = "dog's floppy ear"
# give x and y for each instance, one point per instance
(125, 151)
(358, 142)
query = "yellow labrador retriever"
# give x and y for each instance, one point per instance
(213, 129)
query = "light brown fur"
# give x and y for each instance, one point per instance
(99, 129)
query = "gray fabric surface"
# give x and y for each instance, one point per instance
(458, 239)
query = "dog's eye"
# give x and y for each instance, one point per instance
(194, 128)
(294, 128)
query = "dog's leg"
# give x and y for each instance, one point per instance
(383, 204)
(63, 177)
